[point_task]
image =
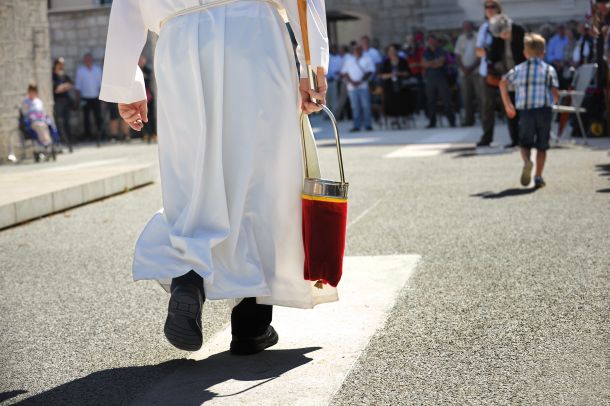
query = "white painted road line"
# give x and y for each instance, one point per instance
(364, 213)
(316, 351)
(419, 150)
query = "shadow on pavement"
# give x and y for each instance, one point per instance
(505, 193)
(176, 382)
(11, 394)
(603, 169)
(463, 152)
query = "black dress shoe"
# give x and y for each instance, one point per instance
(253, 345)
(483, 144)
(183, 324)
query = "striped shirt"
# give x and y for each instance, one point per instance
(533, 80)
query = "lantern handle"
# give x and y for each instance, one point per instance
(330, 115)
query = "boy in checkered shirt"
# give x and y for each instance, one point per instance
(535, 84)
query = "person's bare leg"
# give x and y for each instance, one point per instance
(526, 154)
(540, 160)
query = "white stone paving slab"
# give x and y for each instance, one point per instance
(75, 185)
(316, 351)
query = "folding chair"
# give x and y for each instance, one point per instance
(582, 80)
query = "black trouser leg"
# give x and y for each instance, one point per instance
(250, 319)
(97, 115)
(62, 119)
(445, 92)
(488, 112)
(431, 99)
(513, 123)
(86, 122)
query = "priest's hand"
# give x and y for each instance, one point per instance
(134, 114)
(307, 94)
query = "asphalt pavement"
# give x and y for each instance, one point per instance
(508, 305)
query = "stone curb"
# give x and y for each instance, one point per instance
(37, 206)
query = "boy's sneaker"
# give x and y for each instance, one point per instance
(526, 174)
(539, 182)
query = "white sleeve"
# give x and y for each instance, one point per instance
(576, 53)
(344, 66)
(459, 46)
(369, 65)
(122, 80)
(316, 25)
(587, 50)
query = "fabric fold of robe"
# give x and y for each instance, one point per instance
(229, 149)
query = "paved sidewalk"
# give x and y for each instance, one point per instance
(31, 190)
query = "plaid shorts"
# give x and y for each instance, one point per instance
(535, 128)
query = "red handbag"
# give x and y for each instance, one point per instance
(324, 220)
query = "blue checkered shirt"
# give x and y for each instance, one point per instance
(533, 80)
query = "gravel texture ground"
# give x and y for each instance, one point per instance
(509, 304)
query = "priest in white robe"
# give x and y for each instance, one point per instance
(229, 154)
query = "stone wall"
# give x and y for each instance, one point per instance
(77, 32)
(24, 59)
(390, 20)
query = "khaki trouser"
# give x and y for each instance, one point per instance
(42, 131)
(488, 109)
(469, 86)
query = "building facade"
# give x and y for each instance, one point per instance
(24, 58)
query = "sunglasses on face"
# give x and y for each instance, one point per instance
(490, 7)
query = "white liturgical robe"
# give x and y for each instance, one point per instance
(229, 142)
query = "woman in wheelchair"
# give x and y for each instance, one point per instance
(37, 124)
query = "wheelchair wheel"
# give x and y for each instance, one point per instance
(596, 128)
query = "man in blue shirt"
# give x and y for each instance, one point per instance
(556, 52)
(437, 80)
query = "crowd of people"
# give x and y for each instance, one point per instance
(100, 121)
(431, 74)
(456, 75)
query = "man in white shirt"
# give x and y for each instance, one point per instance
(357, 71)
(372, 53)
(342, 96)
(335, 63)
(87, 84)
(468, 62)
